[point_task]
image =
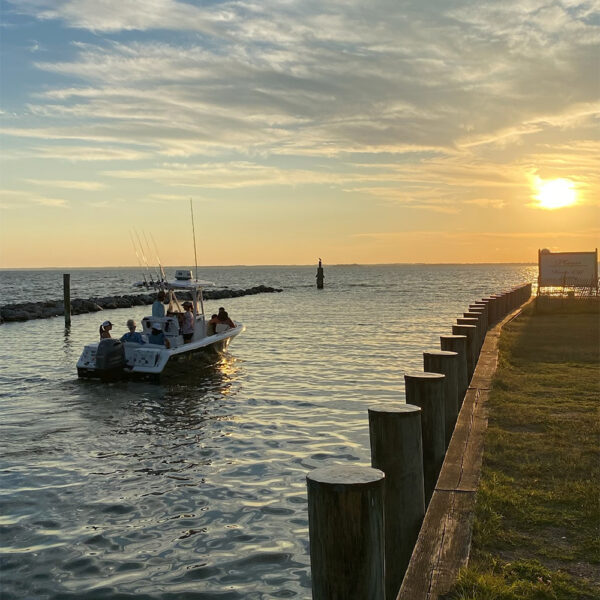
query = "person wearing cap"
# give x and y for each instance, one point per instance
(188, 322)
(132, 335)
(105, 330)
(157, 336)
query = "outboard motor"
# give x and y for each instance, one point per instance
(110, 358)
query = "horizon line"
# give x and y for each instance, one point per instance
(137, 267)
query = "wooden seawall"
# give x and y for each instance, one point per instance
(444, 541)
(448, 474)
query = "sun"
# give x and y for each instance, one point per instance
(555, 193)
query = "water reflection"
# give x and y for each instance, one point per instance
(191, 393)
(195, 486)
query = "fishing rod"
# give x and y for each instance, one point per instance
(146, 284)
(137, 235)
(148, 248)
(162, 271)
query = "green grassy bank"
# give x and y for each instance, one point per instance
(537, 523)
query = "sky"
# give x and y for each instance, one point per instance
(360, 132)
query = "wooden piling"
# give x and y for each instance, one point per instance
(446, 363)
(320, 276)
(67, 298)
(475, 322)
(458, 344)
(482, 309)
(426, 390)
(345, 525)
(474, 314)
(470, 331)
(397, 450)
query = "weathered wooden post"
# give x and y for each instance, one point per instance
(481, 308)
(473, 314)
(320, 276)
(458, 344)
(470, 331)
(446, 363)
(426, 390)
(499, 306)
(397, 450)
(489, 310)
(345, 525)
(492, 310)
(476, 345)
(67, 298)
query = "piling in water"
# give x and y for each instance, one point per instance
(426, 390)
(458, 344)
(475, 322)
(446, 363)
(320, 276)
(345, 525)
(67, 298)
(397, 450)
(478, 316)
(471, 332)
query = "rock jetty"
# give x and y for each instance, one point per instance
(54, 308)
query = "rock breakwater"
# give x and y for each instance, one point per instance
(25, 311)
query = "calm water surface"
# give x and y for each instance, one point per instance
(195, 487)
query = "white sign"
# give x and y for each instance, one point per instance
(568, 269)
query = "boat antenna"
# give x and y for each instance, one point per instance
(194, 234)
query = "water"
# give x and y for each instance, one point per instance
(195, 487)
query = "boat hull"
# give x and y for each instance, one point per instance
(149, 361)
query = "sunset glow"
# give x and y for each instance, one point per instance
(556, 193)
(298, 130)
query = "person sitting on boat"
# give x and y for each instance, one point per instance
(223, 318)
(105, 330)
(158, 307)
(211, 325)
(132, 335)
(187, 329)
(157, 336)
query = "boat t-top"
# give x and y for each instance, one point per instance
(110, 358)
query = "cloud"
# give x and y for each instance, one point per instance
(592, 232)
(90, 186)
(454, 105)
(115, 15)
(12, 199)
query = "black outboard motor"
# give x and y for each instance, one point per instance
(110, 359)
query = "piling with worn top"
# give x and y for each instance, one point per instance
(320, 276)
(476, 339)
(397, 450)
(473, 314)
(67, 298)
(446, 363)
(482, 309)
(426, 390)
(345, 527)
(491, 304)
(471, 332)
(458, 344)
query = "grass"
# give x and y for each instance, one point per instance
(537, 522)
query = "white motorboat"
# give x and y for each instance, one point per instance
(111, 359)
